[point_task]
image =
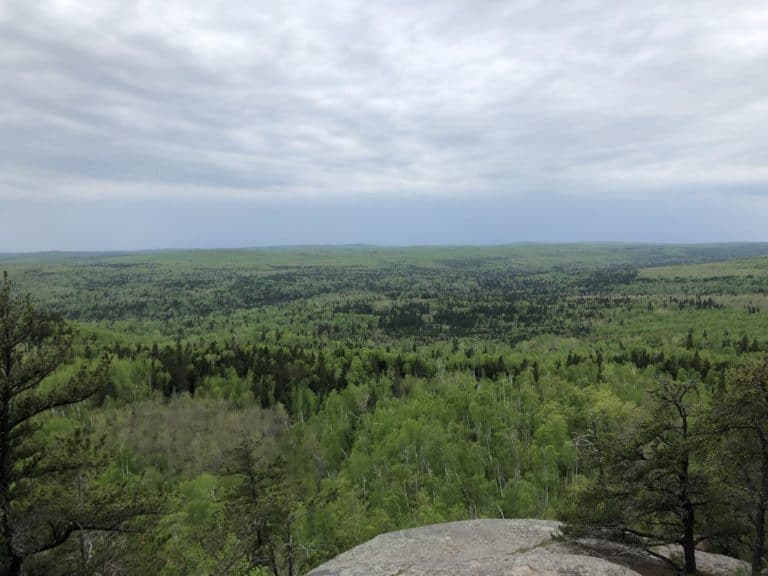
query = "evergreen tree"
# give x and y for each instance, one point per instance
(740, 420)
(649, 484)
(262, 508)
(37, 513)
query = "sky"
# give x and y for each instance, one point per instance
(226, 123)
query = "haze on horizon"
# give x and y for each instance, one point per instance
(135, 124)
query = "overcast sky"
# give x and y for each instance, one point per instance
(136, 124)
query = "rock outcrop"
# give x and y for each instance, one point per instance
(498, 548)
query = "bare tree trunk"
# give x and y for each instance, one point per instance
(689, 543)
(14, 566)
(688, 516)
(273, 560)
(758, 544)
(289, 553)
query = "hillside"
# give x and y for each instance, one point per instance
(274, 408)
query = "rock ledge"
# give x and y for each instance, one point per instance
(496, 548)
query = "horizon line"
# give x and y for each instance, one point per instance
(362, 245)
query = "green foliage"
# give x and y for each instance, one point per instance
(739, 429)
(362, 390)
(49, 469)
(649, 485)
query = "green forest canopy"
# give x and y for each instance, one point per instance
(282, 405)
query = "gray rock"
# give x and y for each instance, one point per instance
(471, 548)
(708, 564)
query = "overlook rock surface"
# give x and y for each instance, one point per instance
(495, 548)
(474, 547)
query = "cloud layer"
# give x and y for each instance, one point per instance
(137, 124)
(126, 99)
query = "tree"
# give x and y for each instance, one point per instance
(262, 507)
(649, 484)
(740, 420)
(34, 512)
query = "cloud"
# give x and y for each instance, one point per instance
(124, 99)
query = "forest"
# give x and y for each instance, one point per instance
(257, 412)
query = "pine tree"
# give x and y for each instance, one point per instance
(649, 484)
(36, 509)
(740, 424)
(262, 508)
